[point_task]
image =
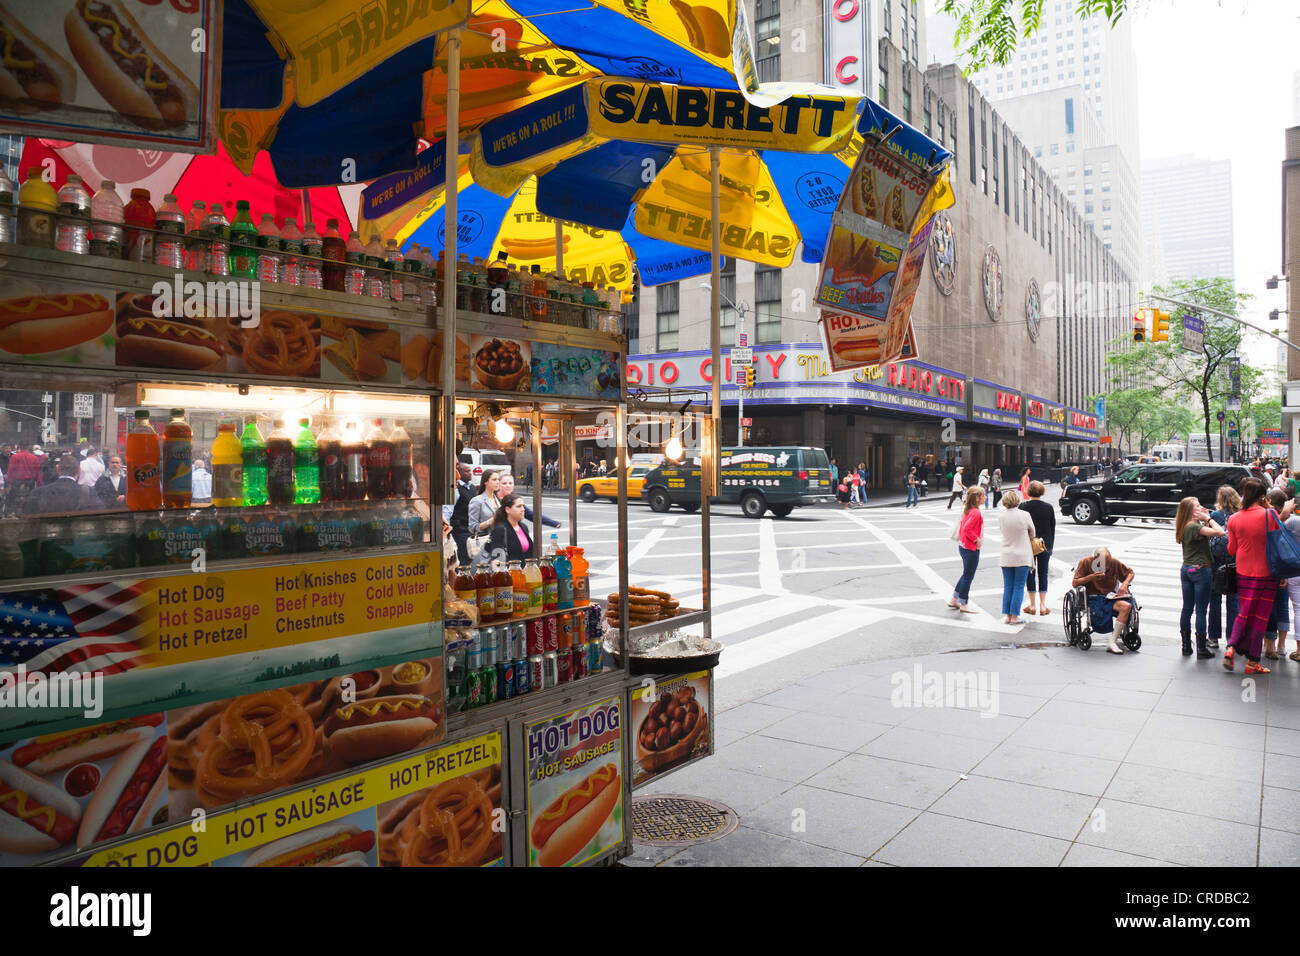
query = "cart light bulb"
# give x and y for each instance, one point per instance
(504, 431)
(673, 449)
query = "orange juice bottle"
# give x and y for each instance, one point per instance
(581, 578)
(520, 586)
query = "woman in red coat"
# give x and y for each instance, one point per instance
(1256, 588)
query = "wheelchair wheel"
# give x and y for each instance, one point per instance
(1070, 617)
(1085, 641)
(1132, 639)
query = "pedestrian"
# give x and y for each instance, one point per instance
(1256, 588)
(62, 495)
(855, 487)
(1106, 583)
(1228, 502)
(1044, 518)
(835, 472)
(1072, 478)
(508, 488)
(958, 489)
(111, 487)
(1017, 555)
(995, 487)
(969, 534)
(483, 508)
(1023, 487)
(509, 536)
(90, 468)
(200, 483)
(1283, 478)
(1279, 620)
(983, 481)
(1292, 524)
(460, 511)
(22, 476)
(843, 490)
(1194, 529)
(913, 495)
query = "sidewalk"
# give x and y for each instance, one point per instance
(1090, 760)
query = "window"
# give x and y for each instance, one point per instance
(970, 118)
(1069, 147)
(1038, 152)
(1087, 208)
(767, 305)
(907, 107)
(1056, 149)
(1105, 205)
(1105, 225)
(1087, 169)
(927, 123)
(666, 318)
(1087, 189)
(884, 86)
(1069, 114)
(1105, 167)
(1105, 187)
(767, 31)
(1070, 170)
(728, 318)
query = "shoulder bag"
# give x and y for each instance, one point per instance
(1282, 550)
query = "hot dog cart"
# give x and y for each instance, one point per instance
(232, 683)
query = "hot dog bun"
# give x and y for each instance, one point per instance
(35, 816)
(32, 76)
(379, 727)
(331, 844)
(566, 826)
(166, 342)
(175, 104)
(34, 324)
(44, 755)
(111, 789)
(155, 801)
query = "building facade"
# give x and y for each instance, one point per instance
(1013, 324)
(1291, 274)
(1187, 207)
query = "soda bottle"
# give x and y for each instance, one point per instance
(581, 578)
(306, 467)
(291, 243)
(140, 214)
(72, 234)
(379, 462)
(536, 587)
(354, 281)
(268, 249)
(503, 587)
(143, 491)
(537, 304)
(279, 465)
(312, 277)
(178, 455)
(497, 275)
(354, 464)
(394, 263)
(375, 268)
(217, 230)
(169, 249)
(487, 595)
(253, 453)
(400, 469)
(329, 465)
(563, 577)
(243, 243)
(334, 250)
(550, 589)
(7, 192)
(227, 469)
(196, 246)
(37, 205)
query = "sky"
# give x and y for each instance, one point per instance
(1215, 79)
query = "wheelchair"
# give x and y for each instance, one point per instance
(1078, 622)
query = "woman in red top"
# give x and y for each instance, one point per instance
(970, 534)
(1256, 588)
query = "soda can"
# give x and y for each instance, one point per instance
(490, 637)
(593, 622)
(505, 680)
(552, 632)
(594, 655)
(488, 679)
(569, 624)
(564, 666)
(518, 641)
(536, 636)
(537, 672)
(578, 669)
(473, 688)
(521, 677)
(550, 669)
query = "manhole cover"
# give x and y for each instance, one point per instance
(675, 820)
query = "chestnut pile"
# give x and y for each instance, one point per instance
(672, 717)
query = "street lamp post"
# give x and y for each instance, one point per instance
(740, 389)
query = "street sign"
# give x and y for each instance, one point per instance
(1234, 404)
(83, 405)
(1194, 334)
(746, 422)
(742, 356)
(1220, 416)
(742, 338)
(740, 376)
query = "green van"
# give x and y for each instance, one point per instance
(760, 479)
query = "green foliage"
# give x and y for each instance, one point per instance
(989, 29)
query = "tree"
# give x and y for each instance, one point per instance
(1143, 417)
(1178, 375)
(993, 27)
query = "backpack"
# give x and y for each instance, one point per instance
(1219, 545)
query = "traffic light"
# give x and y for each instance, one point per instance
(1159, 326)
(749, 376)
(1139, 326)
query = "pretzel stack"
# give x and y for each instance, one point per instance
(644, 606)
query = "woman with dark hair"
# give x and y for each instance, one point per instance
(483, 508)
(1044, 517)
(1256, 588)
(1023, 487)
(509, 539)
(1223, 607)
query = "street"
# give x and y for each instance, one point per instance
(1085, 758)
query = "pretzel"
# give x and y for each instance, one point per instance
(451, 814)
(263, 741)
(642, 591)
(281, 344)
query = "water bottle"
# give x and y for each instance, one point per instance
(268, 242)
(196, 247)
(217, 229)
(354, 282)
(169, 249)
(291, 243)
(7, 192)
(73, 231)
(394, 262)
(107, 214)
(412, 275)
(375, 268)
(312, 277)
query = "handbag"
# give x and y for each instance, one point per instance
(1038, 545)
(1225, 579)
(955, 534)
(1283, 551)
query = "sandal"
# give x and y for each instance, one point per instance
(1029, 610)
(967, 610)
(1016, 620)
(953, 604)
(1254, 668)
(1229, 659)
(1271, 655)
(1295, 655)
(1046, 610)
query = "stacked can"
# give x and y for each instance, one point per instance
(506, 662)
(537, 672)
(473, 672)
(552, 623)
(594, 652)
(491, 637)
(519, 654)
(550, 669)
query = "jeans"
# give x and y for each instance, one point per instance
(913, 497)
(991, 499)
(1196, 595)
(1013, 589)
(1039, 583)
(1280, 618)
(970, 560)
(1221, 623)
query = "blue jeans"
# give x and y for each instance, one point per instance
(970, 560)
(1013, 589)
(1221, 622)
(913, 497)
(1196, 594)
(991, 498)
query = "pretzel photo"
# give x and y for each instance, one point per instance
(263, 741)
(447, 825)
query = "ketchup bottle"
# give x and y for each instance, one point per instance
(139, 213)
(334, 249)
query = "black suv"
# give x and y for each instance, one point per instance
(1148, 491)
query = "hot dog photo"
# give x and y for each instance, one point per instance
(63, 792)
(74, 326)
(196, 344)
(347, 842)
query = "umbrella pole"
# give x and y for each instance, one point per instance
(559, 247)
(451, 163)
(306, 207)
(714, 431)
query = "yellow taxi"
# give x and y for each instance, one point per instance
(606, 486)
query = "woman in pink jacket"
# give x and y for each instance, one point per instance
(1256, 588)
(970, 534)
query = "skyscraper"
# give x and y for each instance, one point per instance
(1187, 204)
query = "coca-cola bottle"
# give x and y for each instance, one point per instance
(379, 462)
(329, 455)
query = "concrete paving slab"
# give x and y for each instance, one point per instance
(1170, 835)
(825, 730)
(1235, 763)
(1083, 855)
(773, 757)
(1046, 768)
(752, 716)
(1017, 806)
(749, 847)
(936, 840)
(892, 781)
(945, 751)
(1195, 793)
(840, 821)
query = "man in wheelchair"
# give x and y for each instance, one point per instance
(1106, 581)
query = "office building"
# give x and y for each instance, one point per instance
(1187, 205)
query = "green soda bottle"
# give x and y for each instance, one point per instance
(306, 466)
(254, 452)
(243, 243)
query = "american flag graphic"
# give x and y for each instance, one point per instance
(87, 628)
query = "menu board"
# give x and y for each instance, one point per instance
(671, 717)
(576, 810)
(131, 72)
(503, 364)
